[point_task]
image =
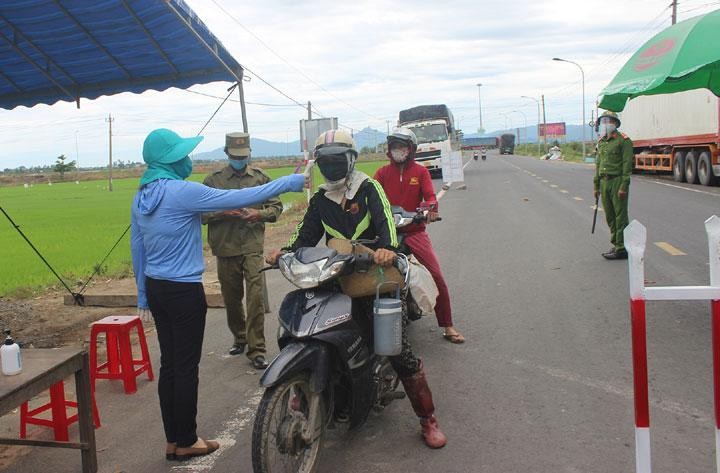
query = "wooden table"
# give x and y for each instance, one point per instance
(41, 369)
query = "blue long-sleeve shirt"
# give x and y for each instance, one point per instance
(166, 237)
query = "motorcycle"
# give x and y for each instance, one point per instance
(326, 371)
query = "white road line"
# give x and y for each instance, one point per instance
(668, 248)
(666, 405)
(554, 186)
(599, 208)
(578, 198)
(682, 187)
(227, 437)
(466, 164)
(563, 191)
(545, 181)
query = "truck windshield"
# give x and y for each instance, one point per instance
(430, 133)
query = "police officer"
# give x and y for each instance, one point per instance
(613, 167)
(236, 238)
(351, 205)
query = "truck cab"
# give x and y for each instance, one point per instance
(434, 141)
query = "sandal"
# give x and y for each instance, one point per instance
(456, 338)
(170, 449)
(205, 447)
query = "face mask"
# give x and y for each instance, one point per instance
(238, 164)
(333, 168)
(399, 155)
(606, 128)
(183, 168)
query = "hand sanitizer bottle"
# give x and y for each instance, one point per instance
(10, 355)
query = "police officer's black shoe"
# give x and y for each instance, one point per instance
(237, 349)
(608, 252)
(619, 254)
(259, 362)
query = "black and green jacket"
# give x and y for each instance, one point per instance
(365, 216)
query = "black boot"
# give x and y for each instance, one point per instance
(420, 397)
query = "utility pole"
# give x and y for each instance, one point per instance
(542, 99)
(309, 110)
(77, 154)
(674, 11)
(480, 128)
(110, 119)
(387, 122)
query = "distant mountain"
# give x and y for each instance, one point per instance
(260, 149)
(367, 137)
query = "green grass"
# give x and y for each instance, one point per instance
(74, 226)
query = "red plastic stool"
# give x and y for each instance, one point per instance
(120, 363)
(59, 421)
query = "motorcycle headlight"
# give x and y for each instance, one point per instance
(308, 275)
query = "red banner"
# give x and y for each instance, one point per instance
(553, 129)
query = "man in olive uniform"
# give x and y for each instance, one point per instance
(613, 166)
(236, 238)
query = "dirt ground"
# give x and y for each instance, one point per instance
(46, 322)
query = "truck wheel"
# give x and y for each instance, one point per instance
(691, 168)
(679, 166)
(704, 169)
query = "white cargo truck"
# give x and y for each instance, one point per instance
(677, 133)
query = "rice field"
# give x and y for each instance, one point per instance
(74, 226)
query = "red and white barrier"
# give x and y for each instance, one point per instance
(635, 239)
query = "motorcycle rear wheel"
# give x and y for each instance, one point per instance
(277, 446)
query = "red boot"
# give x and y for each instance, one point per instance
(420, 397)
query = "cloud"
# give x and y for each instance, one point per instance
(362, 62)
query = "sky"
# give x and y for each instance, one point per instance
(363, 62)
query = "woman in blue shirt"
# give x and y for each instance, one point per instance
(168, 263)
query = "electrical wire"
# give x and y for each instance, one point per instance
(299, 71)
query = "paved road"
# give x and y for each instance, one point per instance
(544, 381)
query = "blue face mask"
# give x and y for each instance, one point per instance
(239, 164)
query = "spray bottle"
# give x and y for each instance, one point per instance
(10, 356)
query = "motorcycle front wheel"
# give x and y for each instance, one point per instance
(277, 442)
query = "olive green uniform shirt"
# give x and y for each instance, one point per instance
(614, 158)
(232, 236)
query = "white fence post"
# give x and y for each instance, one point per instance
(635, 239)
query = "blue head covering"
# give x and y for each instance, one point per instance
(166, 155)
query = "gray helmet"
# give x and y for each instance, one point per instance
(403, 135)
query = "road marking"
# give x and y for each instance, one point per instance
(466, 164)
(599, 208)
(545, 181)
(684, 188)
(554, 186)
(227, 437)
(669, 248)
(622, 390)
(578, 198)
(564, 191)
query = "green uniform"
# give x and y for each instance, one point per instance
(238, 246)
(613, 167)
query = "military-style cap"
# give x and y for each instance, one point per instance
(237, 144)
(611, 115)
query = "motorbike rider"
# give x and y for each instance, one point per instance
(409, 185)
(351, 205)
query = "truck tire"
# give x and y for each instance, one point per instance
(691, 168)
(679, 166)
(704, 169)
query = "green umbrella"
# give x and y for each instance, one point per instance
(685, 56)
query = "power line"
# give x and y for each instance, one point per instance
(237, 101)
(290, 64)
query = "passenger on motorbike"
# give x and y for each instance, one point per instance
(409, 185)
(351, 205)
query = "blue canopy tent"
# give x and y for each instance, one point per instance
(52, 50)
